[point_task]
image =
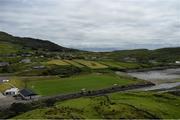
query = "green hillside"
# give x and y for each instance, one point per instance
(29, 43)
(143, 105)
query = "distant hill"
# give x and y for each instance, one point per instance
(9, 42)
(144, 55)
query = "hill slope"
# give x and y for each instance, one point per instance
(9, 42)
(144, 55)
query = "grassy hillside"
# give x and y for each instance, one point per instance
(30, 43)
(144, 55)
(11, 44)
(9, 48)
(142, 105)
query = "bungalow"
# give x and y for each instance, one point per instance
(39, 67)
(27, 94)
(25, 60)
(11, 92)
(2, 64)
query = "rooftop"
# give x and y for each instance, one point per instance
(27, 92)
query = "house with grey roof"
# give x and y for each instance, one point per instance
(2, 64)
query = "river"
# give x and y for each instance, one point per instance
(164, 79)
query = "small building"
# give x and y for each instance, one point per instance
(11, 92)
(25, 60)
(153, 61)
(27, 94)
(26, 54)
(2, 64)
(177, 62)
(39, 67)
(129, 59)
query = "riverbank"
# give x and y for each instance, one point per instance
(163, 79)
(153, 68)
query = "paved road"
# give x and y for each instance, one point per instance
(5, 102)
(1, 95)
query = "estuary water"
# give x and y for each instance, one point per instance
(164, 79)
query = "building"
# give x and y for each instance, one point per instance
(177, 62)
(129, 59)
(11, 92)
(27, 94)
(39, 67)
(25, 60)
(2, 64)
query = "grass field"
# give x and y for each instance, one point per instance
(14, 81)
(76, 83)
(121, 65)
(6, 48)
(74, 63)
(92, 64)
(143, 105)
(58, 62)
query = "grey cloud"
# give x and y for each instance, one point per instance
(122, 24)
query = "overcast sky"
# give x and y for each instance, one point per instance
(95, 24)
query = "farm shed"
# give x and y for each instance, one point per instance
(27, 94)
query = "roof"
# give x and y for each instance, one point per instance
(12, 90)
(27, 92)
(4, 64)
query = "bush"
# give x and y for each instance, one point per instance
(18, 108)
(62, 70)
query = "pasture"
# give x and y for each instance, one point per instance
(138, 105)
(121, 65)
(74, 63)
(94, 81)
(92, 64)
(58, 62)
(6, 48)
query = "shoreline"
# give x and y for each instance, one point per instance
(151, 69)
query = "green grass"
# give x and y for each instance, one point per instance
(121, 65)
(76, 83)
(142, 105)
(58, 62)
(74, 63)
(7, 48)
(92, 64)
(14, 81)
(160, 105)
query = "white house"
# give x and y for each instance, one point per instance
(25, 60)
(11, 92)
(177, 62)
